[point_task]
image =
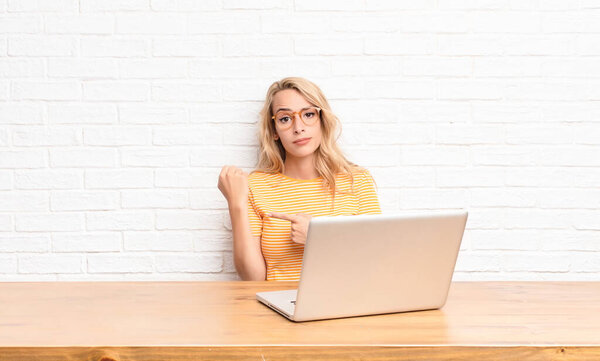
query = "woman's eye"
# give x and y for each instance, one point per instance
(309, 115)
(284, 119)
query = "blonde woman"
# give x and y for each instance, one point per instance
(301, 173)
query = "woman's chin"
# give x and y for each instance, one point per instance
(301, 153)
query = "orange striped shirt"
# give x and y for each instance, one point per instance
(275, 192)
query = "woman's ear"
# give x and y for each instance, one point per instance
(276, 136)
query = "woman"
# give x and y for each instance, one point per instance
(301, 173)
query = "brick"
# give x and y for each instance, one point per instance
(256, 4)
(115, 91)
(399, 44)
(380, 5)
(364, 66)
(434, 199)
(102, 263)
(434, 155)
(31, 243)
(35, 158)
(119, 221)
(188, 220)
(93, 158)
(459, 134)
(117, 136)
(79, 24)
(470, 177)
(219, 156)
(295, 23)
(86, 242)
(167, 68)
(101, 46)
(6, 180)
(83, 200)
(32, 222)
(20, 24)
(257, 45)
(44, 6)
(47, 45)
(144, 114)
(23, 201)
(46, 90)
(328, 45)
(50, 263)
(155, 157)
(173, 241)
(190, 263)
(231, 24)
(189, 135)
(202, 46)
(30, 136)
(503, 197)
(8, 264)
(188, 177)
(207, 199)
(20, 114)
(400, 89)
(185, 92)
(119, 178)
(83, 68)
(225, 112)
(495, 22)
(144, 199)
(534, 262)
(113, 5)
(150, 23)
(82, 113)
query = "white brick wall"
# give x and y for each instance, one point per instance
(116, 116)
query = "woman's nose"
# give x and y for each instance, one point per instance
(298, 124)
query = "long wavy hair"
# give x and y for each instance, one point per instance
(329, 159)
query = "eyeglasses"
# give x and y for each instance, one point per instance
(285, 118)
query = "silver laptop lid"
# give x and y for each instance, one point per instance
(372, 264)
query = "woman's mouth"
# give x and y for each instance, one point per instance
(302, 141)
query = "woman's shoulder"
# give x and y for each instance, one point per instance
(360, 172)
(258, 177)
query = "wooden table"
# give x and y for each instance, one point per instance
(223, 321)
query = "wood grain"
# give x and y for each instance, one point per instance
(223, 320)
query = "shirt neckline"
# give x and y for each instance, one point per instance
(299, 180)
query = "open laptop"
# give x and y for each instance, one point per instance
(373, 264)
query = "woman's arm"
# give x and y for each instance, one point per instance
(247, 254)
(368, 202)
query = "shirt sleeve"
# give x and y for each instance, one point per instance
(254, 216)
(368, 203)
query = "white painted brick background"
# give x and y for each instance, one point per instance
(116, 117)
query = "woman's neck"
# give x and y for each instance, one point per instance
(300, 168)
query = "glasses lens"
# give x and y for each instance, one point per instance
(283, 119)
(309, 116)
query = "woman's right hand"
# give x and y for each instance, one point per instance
(233, 183)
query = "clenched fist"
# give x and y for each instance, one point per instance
(233, 183)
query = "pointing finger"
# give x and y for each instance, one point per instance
(283, 216)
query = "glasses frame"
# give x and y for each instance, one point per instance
(299, 116)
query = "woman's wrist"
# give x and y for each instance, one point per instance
(236, 206)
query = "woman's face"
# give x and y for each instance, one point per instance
(299, 140)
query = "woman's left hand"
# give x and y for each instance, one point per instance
(299, 224)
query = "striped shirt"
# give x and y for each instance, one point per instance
(276, 192)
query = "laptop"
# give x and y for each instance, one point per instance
(373, 264)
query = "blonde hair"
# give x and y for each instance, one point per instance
(329, 159)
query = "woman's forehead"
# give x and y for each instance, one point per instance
(290, 99)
